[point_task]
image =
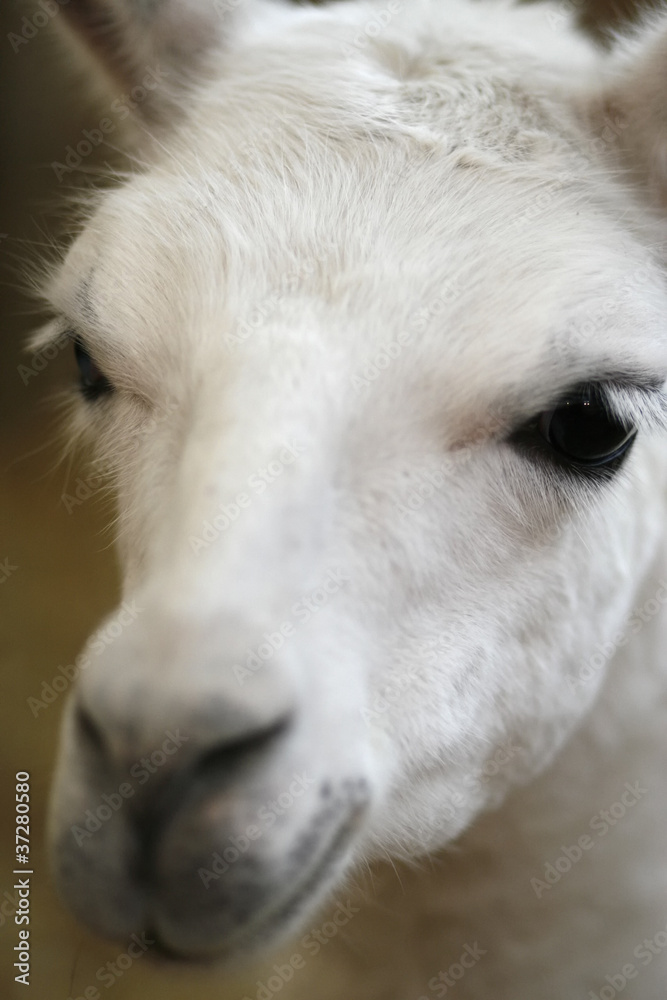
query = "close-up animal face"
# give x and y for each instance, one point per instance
(371, 347)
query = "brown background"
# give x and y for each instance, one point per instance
(64, 578)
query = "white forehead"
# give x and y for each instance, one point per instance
(415, 183)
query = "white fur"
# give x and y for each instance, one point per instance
(480, 180)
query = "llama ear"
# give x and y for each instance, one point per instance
(629, 116)
(150, 47)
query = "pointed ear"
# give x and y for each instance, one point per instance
(150, 47)
(629, 115)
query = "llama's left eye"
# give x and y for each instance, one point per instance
(92, 381)
(583, 430)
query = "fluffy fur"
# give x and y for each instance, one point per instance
(364, 245)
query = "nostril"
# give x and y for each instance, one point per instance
(229, 756)
(204, 756)
(163, 784)
(89, 731)
(208, 771)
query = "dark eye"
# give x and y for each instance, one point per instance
(92, 381)
(583, 430)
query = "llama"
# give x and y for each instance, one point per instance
(372, 344)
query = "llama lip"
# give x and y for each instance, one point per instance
(272, 918)
(269, 924)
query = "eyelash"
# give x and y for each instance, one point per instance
(579, 436)
(93, 383)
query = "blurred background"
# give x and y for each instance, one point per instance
(57, 569)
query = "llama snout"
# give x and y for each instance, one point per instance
(202, 813)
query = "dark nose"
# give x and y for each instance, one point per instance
(167, 782)
(171, 697)
(185, 759)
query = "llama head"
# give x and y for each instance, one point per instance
(372, 348)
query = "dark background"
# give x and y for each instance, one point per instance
(62, 575)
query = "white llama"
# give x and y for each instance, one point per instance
(372, 345)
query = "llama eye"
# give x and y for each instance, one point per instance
(92, 381)
(584, 431)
